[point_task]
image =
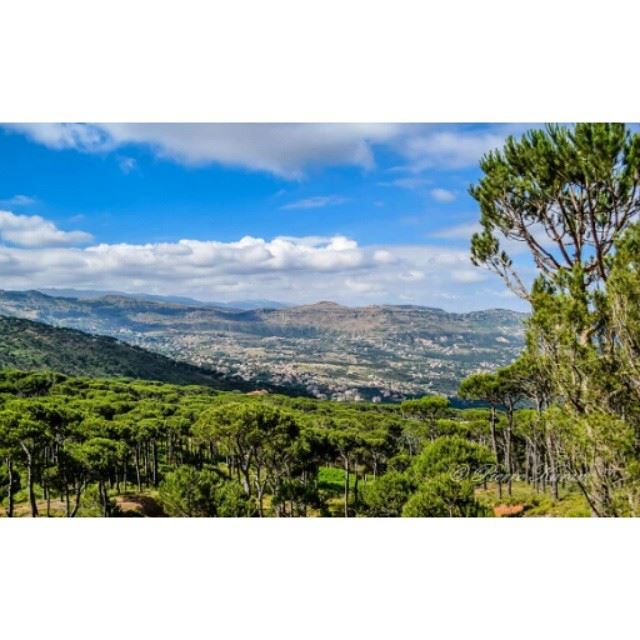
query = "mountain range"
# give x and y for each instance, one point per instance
(379, 352)
(83, 294)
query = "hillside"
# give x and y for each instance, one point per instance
(382, 352)
(26, 345)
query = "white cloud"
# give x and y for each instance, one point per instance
(515, 248)
(315, 202)
(34, 231)
(412, 276)
(468, 276)
(462, 231)
(127, 165)
(439, 148)
(442, 195)
(19, 200)
(286, 150)
(84, 137)
(361, 287)
(412, 182)
(383, 256)
(292, 269)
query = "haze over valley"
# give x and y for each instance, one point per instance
(379, 352)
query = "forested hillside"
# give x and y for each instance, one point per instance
(33, 345)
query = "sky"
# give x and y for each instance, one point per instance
(356, 213)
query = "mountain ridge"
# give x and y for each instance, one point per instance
(379, 352)
(85, 294)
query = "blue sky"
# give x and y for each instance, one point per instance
(360, 214)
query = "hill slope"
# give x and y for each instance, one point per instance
(380, 351)
(28, 345)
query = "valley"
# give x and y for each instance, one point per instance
(376, 353)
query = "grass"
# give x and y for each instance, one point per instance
(571, 504)
(331, 480)
(331, 484)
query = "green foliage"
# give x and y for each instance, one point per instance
(426, 408)
(578, 187)
(264, 454)
(385, 496)
(622, 307)
(97, 455)
(572, 196)
(188, 492)
(442, 496)
(452, 455)
(484, 387)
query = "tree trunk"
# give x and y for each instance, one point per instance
(355, 486)
(78, 493)
(507, 448)
(246, 480)
(346, 487)
(494, 446)
(260, 486)
(155, 463)
(137, 463)
(147, 457)
(104, 498)
(552, 469)
(536, 468)
(10, 488)
(32, 495)
(599, 495)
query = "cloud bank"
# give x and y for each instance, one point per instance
(285, 150)
(34, 253)
(288, 151)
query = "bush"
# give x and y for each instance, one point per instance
(443, 497)
(451, 455)
(386, 495)
(187, 492)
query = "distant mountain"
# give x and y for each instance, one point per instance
(89, 294)
(375, 352)
(260, 303)
(28, 345)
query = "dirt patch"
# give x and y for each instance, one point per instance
(133, 505)
(508, 510)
